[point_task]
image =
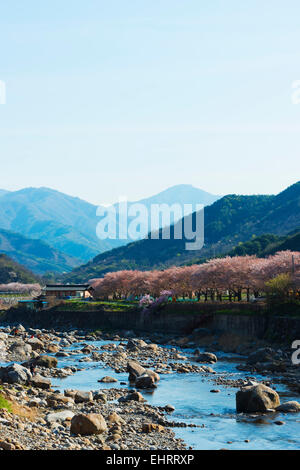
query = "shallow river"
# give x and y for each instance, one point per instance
(194, 403)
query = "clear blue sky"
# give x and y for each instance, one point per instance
(128, 97)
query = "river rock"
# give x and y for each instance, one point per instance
(64, 343)
(169, 408)
(70, 393)
(58, 400)
(272, 366)
(114, 418)
(150, 427)
(83, 397)
(15, 374)
(62, 354)
(88, 424)
(7, 445)
(35, 344)
(145, 381)
(152, 347)
(206, 357)
(108, 379)
(20, 349)
(46, 361)
(21, 328)
(257, 398)
(39, 381)
(153, 375)
(52, 348)
(136, 344)
(208, 370)
(261, 355)
(289, 407)
(135, 370)
(60, 416)
(133, 396)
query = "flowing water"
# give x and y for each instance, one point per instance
(194, 403)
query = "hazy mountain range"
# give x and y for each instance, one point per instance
(36, 255)
(46, 230)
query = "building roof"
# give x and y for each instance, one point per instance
(66, 287)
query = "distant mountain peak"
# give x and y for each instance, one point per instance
(183, 194)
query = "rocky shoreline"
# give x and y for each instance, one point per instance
(35, 416)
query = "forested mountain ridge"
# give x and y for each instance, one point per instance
(229, 221)
(10, 271)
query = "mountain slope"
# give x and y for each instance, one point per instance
(228, 221)
(267, 244)
(10, 271)
(68, 223)
(36, 255)
(64, 222)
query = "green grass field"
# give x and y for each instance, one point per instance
(4, 404)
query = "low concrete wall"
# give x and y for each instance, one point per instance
(242, 319)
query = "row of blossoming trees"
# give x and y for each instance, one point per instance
(14, 291)
(230, 276)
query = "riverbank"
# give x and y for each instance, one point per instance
(39, 417)
(248, 321)
(85, 373)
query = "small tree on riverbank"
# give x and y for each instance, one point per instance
(279, 288)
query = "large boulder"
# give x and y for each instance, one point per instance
(20, 349)
(261, 355)
(289, 407)
(256, 398)
(46, 361)
(86, 425)
(135, 370)
(15, 374)
(39, 381)
(145, 381)
(153, 375)
(136, 344)
(83, 397)
(35, 344)
(206, 357)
